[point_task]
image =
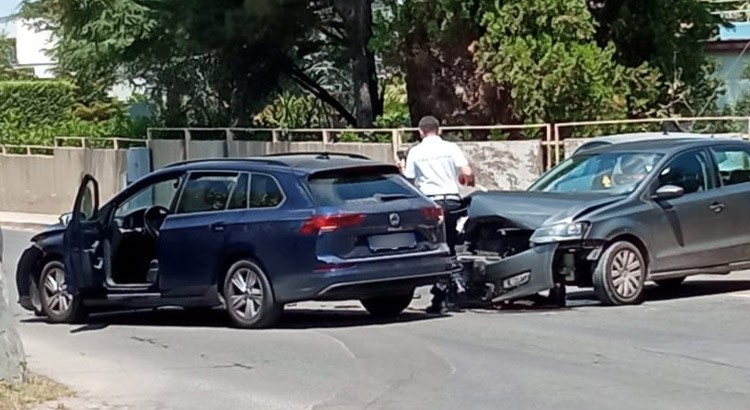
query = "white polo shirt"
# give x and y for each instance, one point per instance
(433, 165)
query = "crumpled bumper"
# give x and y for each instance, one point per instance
(534, 264)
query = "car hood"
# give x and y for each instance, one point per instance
(531, 210)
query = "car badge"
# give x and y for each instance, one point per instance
(394, 220)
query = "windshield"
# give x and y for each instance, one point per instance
(616, 173)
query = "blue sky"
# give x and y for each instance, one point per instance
(8, 7)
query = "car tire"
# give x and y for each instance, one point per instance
(671, 283)
(57, 303)
(620, 274)
(35, 297)
(387, 307)
(249, 297)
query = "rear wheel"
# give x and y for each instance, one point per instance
(388, 307)
(671, 283)
(57, 302)
(620, 275)
(249, 296)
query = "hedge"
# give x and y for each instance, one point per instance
(36, 103)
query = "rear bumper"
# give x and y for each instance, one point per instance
(536, 263)
(364, 279)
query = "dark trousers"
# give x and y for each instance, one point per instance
(453, 210)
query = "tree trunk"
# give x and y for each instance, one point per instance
(12, 357)
(357, 18)
(443, 80)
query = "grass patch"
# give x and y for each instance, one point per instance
(36, 390)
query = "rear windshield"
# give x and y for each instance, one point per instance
(333, 188)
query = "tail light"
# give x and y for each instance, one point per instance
(434, 213)
(329, 223)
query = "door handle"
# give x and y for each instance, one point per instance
(218, 226)
(716, 207)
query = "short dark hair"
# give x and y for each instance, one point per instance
(429, 124)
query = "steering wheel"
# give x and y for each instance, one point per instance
(153, 218)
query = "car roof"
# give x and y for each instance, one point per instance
(661, 146)
(306, 163)
(640, 136)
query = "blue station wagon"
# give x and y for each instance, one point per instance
(250, 235)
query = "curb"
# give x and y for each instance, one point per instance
(23, 226)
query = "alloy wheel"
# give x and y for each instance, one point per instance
(246, 293)
(626, 273)
(58, 299)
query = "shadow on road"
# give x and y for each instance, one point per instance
(294, 318)
(689, 289)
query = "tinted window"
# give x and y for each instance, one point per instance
(337, 188)
(688, 170)
(239, 195)
(265, 192)
(734, 164)
(206, 192)
(158, 194)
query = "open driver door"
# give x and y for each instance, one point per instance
(81, 241)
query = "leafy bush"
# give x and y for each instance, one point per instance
(36, 103)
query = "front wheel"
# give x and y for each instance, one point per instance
(58, 303)
(388, 307)
(620, 275)
(249, 296)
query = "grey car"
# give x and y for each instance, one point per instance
(613, 218)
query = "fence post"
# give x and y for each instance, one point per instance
(326, 137)
(274, 135)
(395, 142)
(187, 139)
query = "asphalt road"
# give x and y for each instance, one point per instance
(676, 351)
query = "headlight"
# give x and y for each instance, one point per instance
(560, 232)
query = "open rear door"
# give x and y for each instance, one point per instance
(83, 251)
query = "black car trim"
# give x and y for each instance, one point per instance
(333, 287)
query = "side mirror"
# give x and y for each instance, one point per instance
(668, 192)
(65, 218)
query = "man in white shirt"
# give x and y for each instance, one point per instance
(437, 167)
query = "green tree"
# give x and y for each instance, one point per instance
(670, 35)
(545, 53)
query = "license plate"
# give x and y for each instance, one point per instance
(392, 242)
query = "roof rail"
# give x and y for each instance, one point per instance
(320, 155)
(225, 159)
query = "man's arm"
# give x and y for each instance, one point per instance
(465, 173)
(410, 171)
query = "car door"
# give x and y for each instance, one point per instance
(733, 164)
(689, 230)
(82, 239)
(192, 239)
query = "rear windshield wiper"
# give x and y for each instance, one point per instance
(392, 197)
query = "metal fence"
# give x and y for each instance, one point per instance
(551, 136)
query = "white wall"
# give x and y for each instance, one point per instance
(31, 48)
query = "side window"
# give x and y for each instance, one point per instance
(159, 194)
(206, 192)
(689, 171)
(265, 192)
(734, 164)
(239, 195)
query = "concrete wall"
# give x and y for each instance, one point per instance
(498, 164)
(48, 184)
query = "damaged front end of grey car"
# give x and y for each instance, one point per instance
(588, 222)
(514, 249)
